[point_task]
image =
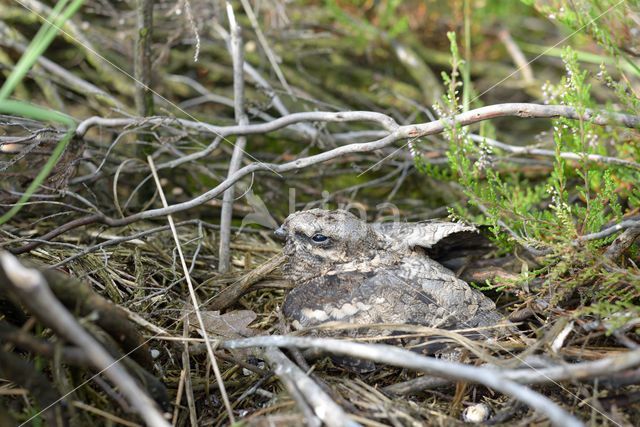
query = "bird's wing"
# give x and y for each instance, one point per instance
(425, 234)
(360, 297)
(418, 291)
(329, 297)
(431, 297)
(446, 242)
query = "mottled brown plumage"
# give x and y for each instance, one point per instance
(349, 271)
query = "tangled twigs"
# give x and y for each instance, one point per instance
(505, 381)
(396, 133)
(30, 288)
(302, 387)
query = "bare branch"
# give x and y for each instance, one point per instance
(524, 67)
(595, 158)
(622, 225)
(391, 355)
(308, 132)
(31, 288)
(303, 389)
(294, 118)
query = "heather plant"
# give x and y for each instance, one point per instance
(550, 214)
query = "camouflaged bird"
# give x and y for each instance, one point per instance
(349, 271)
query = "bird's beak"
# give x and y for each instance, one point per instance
(280, 233)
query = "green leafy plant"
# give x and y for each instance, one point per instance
(551, 211)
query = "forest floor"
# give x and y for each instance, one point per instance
(472, 110)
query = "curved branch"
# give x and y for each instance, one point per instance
(622, 225)
(396, 133)
(348, 116)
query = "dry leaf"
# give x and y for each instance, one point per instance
(231, 325)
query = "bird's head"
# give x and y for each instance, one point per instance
(318, 240)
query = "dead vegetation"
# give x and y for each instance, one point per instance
(335, 105)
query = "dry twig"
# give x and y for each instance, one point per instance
(194, 298)
(404, 358)
(396, 133)
(32, 290)
(237, 53)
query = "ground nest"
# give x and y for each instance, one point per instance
(143, 278)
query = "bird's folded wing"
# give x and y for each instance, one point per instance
(424, 234)
(445, 242)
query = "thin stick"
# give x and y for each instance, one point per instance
(186, 368)
(142, 58)
(622, 225)
(303, 390)
(265, 46)
(306, 131)
(194, 298)
(404, 358)
(176, 405)
(524, 66)
(595, 158)
(111, 417)
(33, 291)
(237, 54)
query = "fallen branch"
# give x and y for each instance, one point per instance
(300, 384)
(396, 133)
(407, 359)
(30, 287)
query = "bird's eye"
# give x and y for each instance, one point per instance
(319, 238)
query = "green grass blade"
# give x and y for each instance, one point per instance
(40, 43)
(58, 16)
(37, 113)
